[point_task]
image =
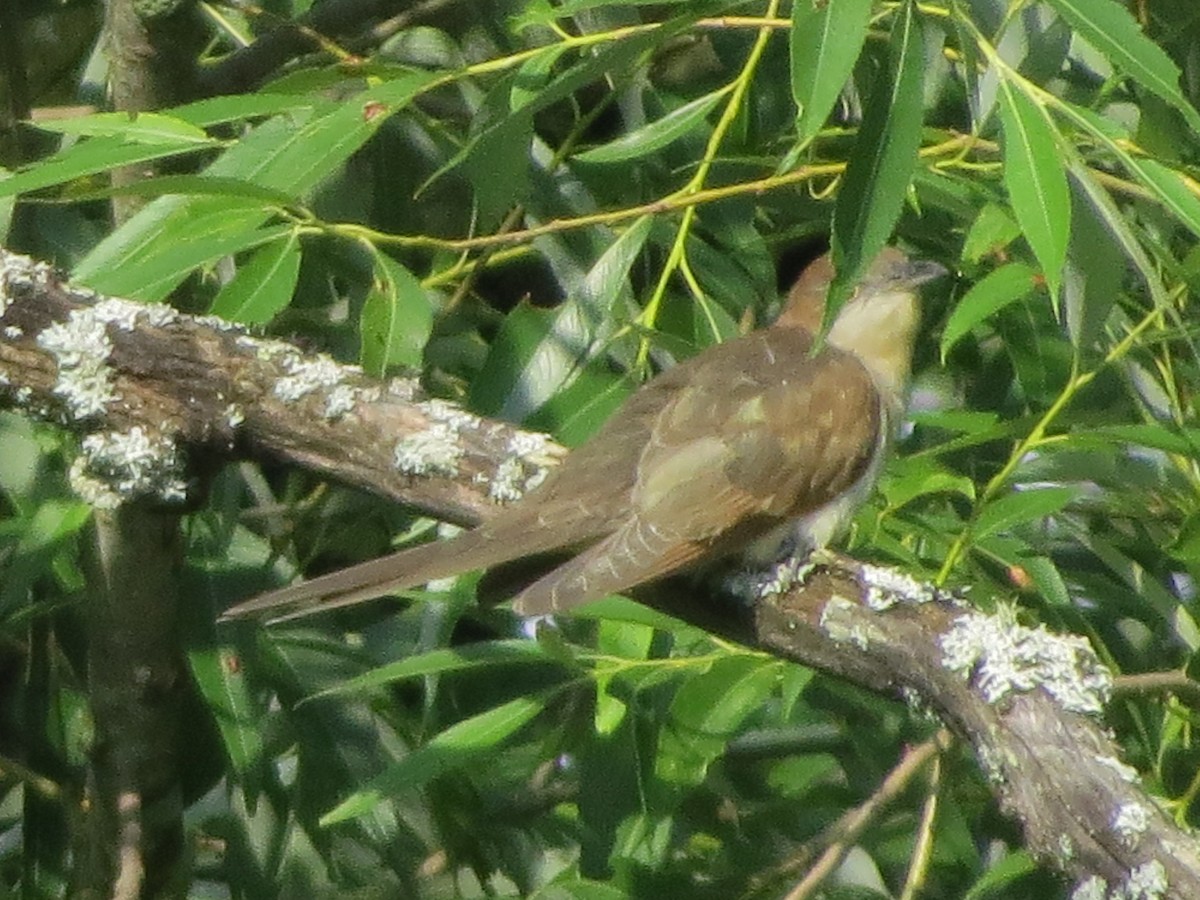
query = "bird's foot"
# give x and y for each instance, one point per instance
(751, 585)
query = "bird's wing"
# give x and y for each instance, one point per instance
(581, 501)
(760, 434)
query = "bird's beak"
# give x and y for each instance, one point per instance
(921, 271)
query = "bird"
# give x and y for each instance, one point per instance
(753, 449)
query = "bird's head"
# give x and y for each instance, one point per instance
(879, 322)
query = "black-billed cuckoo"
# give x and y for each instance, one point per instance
(750, 447)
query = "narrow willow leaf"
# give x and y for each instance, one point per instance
(191, 185)
(134, 128)
(396, 319)
(707, 710)
(263, 284)
(1036, 182)
(286, 153)
(90, 157)
(533, 75)
(1110, 28)
(659, 133)
(437, 662)
(826, 40)
(991, 231)
(222, 683)
(991, 294)
(454, 747)
(1118, 226)
(1020, 507)
(1172, 189)
(914, 477)
(232, 107)
(198, 247)
(883, 159)
(539, 354)
(1096, 270)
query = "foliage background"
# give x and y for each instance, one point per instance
(537, 206)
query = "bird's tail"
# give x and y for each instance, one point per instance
(376, 578)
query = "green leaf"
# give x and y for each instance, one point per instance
(577, 411)
(199, 234)
(1141, 585)
(507, 140)
(657, 134)
(1096, 269)
(234, 107)
(459, 744)
(437, 662)
(707, 710)
(986, 297)
(1020, 507)
(263, 285)
(883, 159)
(1036, 182)
(911, 478)
(539, 354)
(825, 41)
(533, 75)
(1110, 28)
(218, 674)
(991, 231)
(1006, 870)
(396, 319)
(1184, 441)
(287, 153)
(136, 128)
(91, 157)
(1172, 189)
(1119, 228)
(191, 185)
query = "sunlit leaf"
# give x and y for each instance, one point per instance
(986, 297)
(826, 39)
(1036, 181)
(882, 161)
(263, 284)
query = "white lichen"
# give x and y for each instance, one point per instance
(116, 467)
(539, 475)
(752, 585)
(448, 414)
(122, 314)
(1004, 657)
(1091, 888)
(313, 375)
(13, 332)
(886, 587)
(1146, 882)
(843, 621)
(1066, 848)
(158, 314)
(1128, 774)
(508, 481)
(21, 271)
(534, 448)
(435, 451)
(1130, 822)
(81, 348)
(993, 763)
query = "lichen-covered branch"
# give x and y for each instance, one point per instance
(147, 388)
(1027, 701)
